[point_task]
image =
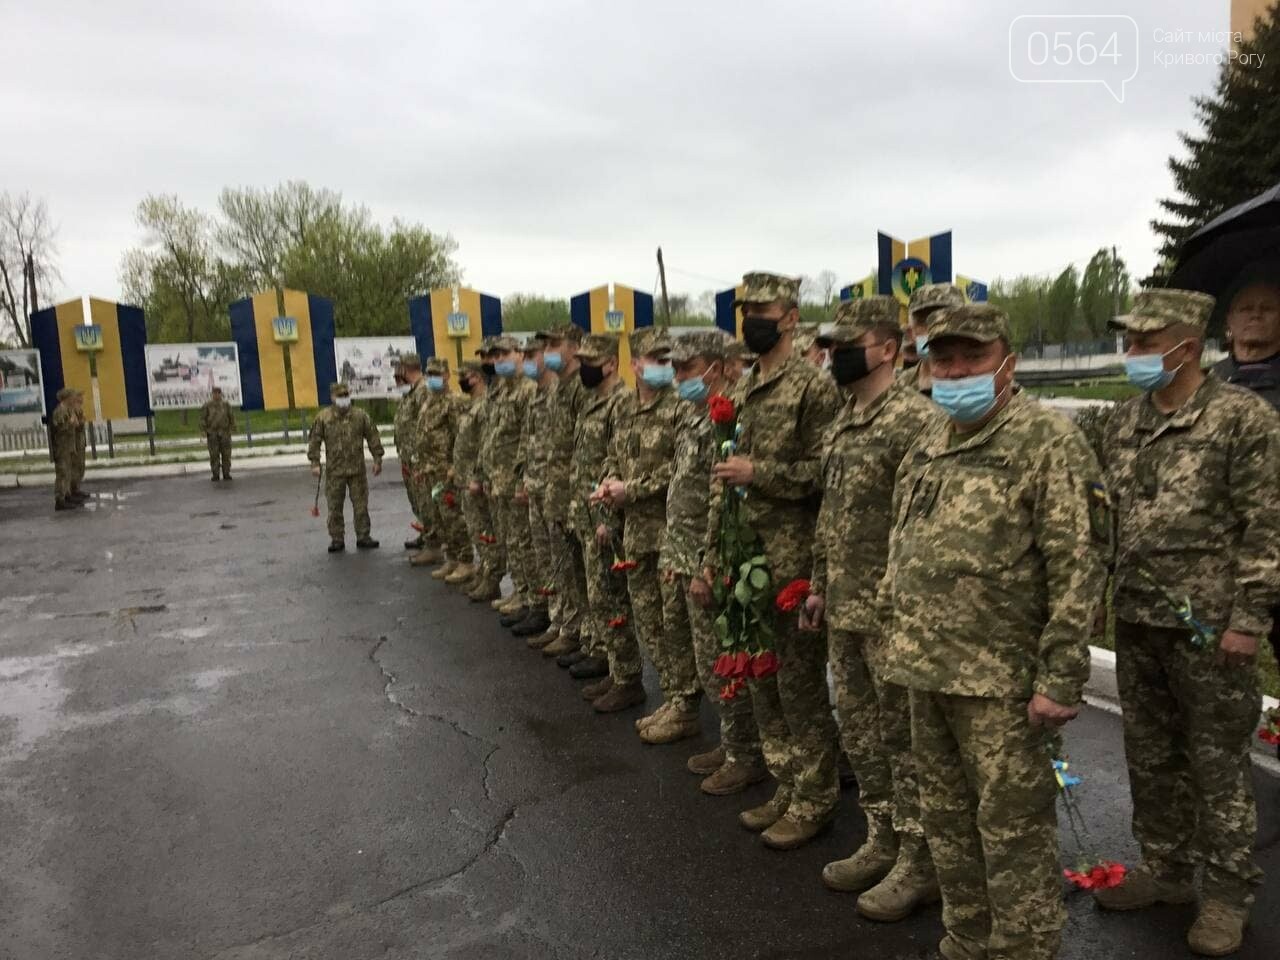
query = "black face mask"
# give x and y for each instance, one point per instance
(760, 334)
(465, 384)
(489, 371)
(849, 364)
(591, 376)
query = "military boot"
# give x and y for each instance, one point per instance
(654, 717)
(484, 591)
(621, 696)
(1218, 930)
(1144, 886)
(589, 668)
(61, 503)
(733, 776)
(561, 645)
(913, 882)
(789, 832)
(593, 691)
(517, 614)
(705, 764)
(336, 546)
(571, 659)
(462, 573)
(536, 622)
(543, 639)
(443, 571)
(417, 543)
(761, 818)
(869, 864)
(953, 948)
(366, 543)
(426, 557)
(675, 726)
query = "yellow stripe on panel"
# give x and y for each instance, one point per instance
(624, 299)
(468, 303)
(920, 249)
(275, 389)
(599, 307)
(441, 307)
(739, 291)
(75, 365)
(110, 360)
(302, 357)
(899, 252)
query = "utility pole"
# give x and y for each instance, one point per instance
(666, 303)
(29, 278)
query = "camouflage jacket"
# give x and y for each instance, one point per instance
(591, 439)
(537, 430)
(1195, 498)
(500, 446)
(685, 535)
(62, 430)
(997, 559)
(466, 444)
(566, 403)
(783, 417)
(216, 417)
(344, 434)
(861, 454)
(435, 432)
(406, 420)
(77, 416)
(640, 454)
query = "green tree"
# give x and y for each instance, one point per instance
(1023, 298)
(530, 311)
(1236, 154)
(1104, 291)
(1062, 306)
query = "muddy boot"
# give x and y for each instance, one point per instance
(789, 832)
(869, 864)
(462, 573)
(593, 691)
(1218, 930)
(674, 726)
(544, 639)
(444, 570)
(426, 557)
(911, 883)
(1145, 887)
(561, 645)
(705, 764)
(654, 717)
(733, 776)
(483, 592)
(535, 623)
(763, 817)
(589, 668)
(621, 696)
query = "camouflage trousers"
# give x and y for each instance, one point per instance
(668, 644)
(512, 522)
(475, 511)
(685, 616)
(1188, 726)
(987, 796)
(219, 453)
(568, 580)
(63, 472)
(336, 490)
(423, 506)
(607, 601)
(445, 523)
(410, 491)
(77, 465)
(874, 717)
(541, 563)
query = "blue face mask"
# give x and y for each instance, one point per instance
(694, 390)
(922, 346)
(1146, 371)
(553, 362)
(531, 369)
(967, 399)
(505, 368)
(658, 375)
(435, 383)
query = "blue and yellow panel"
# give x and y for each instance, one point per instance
(632, 310)
(119, 335)
(860, 290)
(729, 317)
(263, 385)
(975, 291)
(432, 316)
(903, 267)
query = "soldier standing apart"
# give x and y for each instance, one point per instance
(412, 391)
(216, 423)
(533, 489)
(608, 610)
(637, 473)
(434, 436)
(785, 406)
(343, 431)
(482, 585)
(925, 301)
(77, 462)
(62, 449)
(997, 568)
(1194, 469)
(736, 763)
(861, 454)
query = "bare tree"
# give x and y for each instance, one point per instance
(28, 267)
(260, 226)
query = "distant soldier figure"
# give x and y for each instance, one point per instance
(343, 431)
(62, 428)
(433, 439)
(216, 423)
(925, 302)
(77, 463)
(480, 577)
(412, 390)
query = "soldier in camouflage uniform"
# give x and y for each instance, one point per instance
(216, 423)
(861, 454)
(736, 763)
(343, 431)
(1194, 470)
(533, 489)
(62, 449)
(501, 454)
(413, 390)
(997, 567)
(784, 408)
(738, 360)
(637, 472)
(807, 347)
(77, 462)
(925, 302)
(563, 638)
(599, 529)
(482, 585)
(432, 445)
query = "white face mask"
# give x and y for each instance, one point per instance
(342, 403)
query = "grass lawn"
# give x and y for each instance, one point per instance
(1108, 389)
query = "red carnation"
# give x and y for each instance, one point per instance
(792, 595)
(1101, 876)
(721, 410)
(622, 566)
(618, 623)
(1267, 736)
(449, 499)
(724, 665)
(417, 526)
(764, 664)
(730, 690)
(486, 539)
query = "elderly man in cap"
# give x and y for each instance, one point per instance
(412, 390)
(925, 302)
(532, 491)
(862, 451)
(996, 571)
(482, 585)
(435, 432)
(216, 423)
(62, 449)
(599, 528)
(1253, 328)
(343, 431)
(785, 406)
(1194, 470)
(736, 762)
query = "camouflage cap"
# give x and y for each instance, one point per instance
(983, 322)
(1156, 309)
(470, 366)
(767, 288)
(598, 346)
(805, 336)
(855, 317)
(503, 344)
(438, 366)
(564, 331)
(339, 390)
(411, 360)
(650, 342)
(65, 393)
(737, 350)
(709, 345)
(931, 297)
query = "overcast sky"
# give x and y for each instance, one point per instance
(561, 142)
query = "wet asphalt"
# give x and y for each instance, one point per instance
(218, 742)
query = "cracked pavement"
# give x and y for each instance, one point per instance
(218, 741)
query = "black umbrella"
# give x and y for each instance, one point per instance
(1217, 254)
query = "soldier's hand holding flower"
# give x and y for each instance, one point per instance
(377, 467)
(735, 471)
(1043, 712)
(474, 488)
(602, 535)
(700, 590)
(1237, 649)
(615, 491)
(812, 613)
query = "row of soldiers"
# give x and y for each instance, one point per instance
(67, 449)
(959, 540)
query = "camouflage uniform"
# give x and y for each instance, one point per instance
(783, 416)
(683, 541)
(861, 453)
(996, 570)
(62, 431)
(432, 442)
(77, 462)
(216, 423)
(537, 429)
(1195, 497)
(501, 450)
(606, 594)
(472, 418)
(344, 434)
(406, 421)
